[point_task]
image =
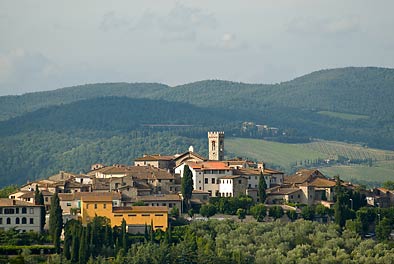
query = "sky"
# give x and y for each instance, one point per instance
(49, 44)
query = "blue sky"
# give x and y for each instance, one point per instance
(50, 44)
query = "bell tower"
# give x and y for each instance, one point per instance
(216, 145)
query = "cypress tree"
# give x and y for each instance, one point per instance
(36, 195)
(187, 185)
(262, 188)
(124, 235)
(43, 212)
(83, 254)
(75, 244)
(55, 221)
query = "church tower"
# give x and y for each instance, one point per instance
(216, 145)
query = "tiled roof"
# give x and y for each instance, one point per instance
(5, 202)
(166, 197)
(189, 153)
(231, 177)
(323, 183)
(208, 165)
(155, 158)
(302, 176)
(282, 191)
(149, 173)
(272, 171)
(100, 196)
(140, 209)
(70, 196)
(32, 194)
(247, 171)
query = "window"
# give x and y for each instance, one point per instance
(291, 196)
(8, 221)
(250, 185)
(17, 210)
(24, 210)
(131, 215)
(145, 214)
(17, 221)
(68, 203)
(239, 181)
(164, 204)
(104, 206)
(9, 211)
(24, 221)
(31, 221)
(1, 220)
(1, 210)
(213, 180)
(158, 214)
(87, 206)
(95, 206)
(31, 210)
(206, 180)
(46, 199)
(118, 215)
(299, 196)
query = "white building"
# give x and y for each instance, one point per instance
(206, 175)
(20, 215)
(232, 186)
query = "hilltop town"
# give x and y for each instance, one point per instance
(149, 191)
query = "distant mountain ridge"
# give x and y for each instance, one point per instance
(350, 90)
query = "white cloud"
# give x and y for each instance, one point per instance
(226, 42)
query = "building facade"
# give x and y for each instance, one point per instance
(22, 216)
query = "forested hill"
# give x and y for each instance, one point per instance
(113, 115)
(367, 91)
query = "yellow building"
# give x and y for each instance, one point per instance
(102, 204)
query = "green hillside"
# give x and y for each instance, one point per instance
(341, 95)
(286, 156)
(70, 128)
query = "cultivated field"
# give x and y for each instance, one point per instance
(286, 156)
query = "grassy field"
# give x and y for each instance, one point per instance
(344, 116)
(286, 155)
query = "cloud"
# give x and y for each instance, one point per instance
(112, 21)
(184, 23)
(226, 42)
(20, 70)
(308, 25)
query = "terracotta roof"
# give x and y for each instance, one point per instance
(113, 170)
(282, 191)
(32, 194)
(271, 171)
(140, 209)
(208, 165)
(5, 202)
(166, 197)
(232, 177)
(188, 153)
(320, 182)
(155, 158)
(100, 196)
(302, 176)
(149, 173)
(70, 196)
(247, 171)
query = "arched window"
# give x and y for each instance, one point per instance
(8, 221)
(213, 145)
(24, 210)
(17, 221)
(24, 220)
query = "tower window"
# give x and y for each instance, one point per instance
(213, 145)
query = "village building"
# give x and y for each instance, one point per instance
(206, 175)
(232, 186)
(22, 216)
(136, 217)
